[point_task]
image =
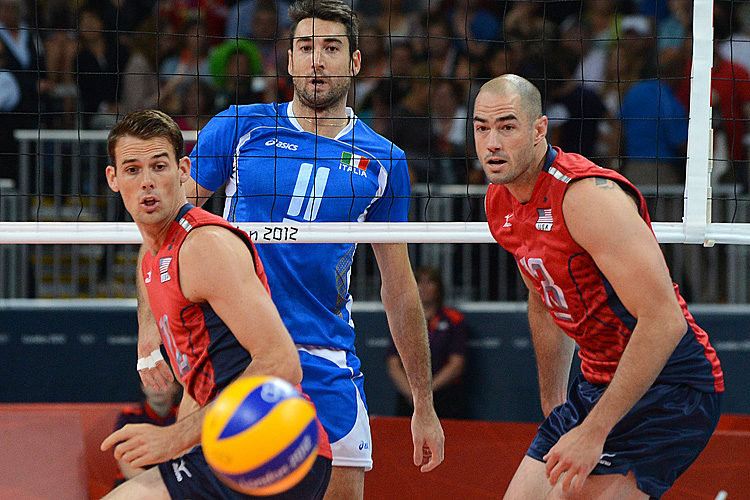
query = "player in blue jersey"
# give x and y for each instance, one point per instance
(313, 160)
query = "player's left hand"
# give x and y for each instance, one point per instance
(575, 455)
(142, 444)
(428, 437)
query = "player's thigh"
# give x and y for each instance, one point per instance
(602, 487)
(347, 483)
(529, 482)
(145, 486)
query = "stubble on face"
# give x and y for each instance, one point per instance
(336, 72)
(320, 100)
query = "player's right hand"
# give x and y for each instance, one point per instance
(156, 372)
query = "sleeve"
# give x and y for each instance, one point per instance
(393, 206)
(211, 158)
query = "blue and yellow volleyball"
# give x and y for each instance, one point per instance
(260, 437)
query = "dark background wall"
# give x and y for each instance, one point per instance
(85, 351)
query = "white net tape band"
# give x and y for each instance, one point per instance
(326, 232)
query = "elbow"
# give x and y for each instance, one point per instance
(293, 373)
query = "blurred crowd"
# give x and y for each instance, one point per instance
(615, 74)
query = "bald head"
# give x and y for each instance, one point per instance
(508, 85)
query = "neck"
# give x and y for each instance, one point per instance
(327, 122)
(155, 234)
(523, 187)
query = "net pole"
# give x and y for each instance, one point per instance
(697, 189)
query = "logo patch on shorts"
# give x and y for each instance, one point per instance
(603, 459)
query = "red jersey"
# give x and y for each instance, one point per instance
(580, 299)
(203, 351)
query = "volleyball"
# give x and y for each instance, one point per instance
(260, 437)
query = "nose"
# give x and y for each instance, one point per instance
(317, 58)
(147, 181)
(494, 142)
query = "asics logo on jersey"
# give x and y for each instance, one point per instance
(282, 145)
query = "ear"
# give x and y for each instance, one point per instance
(112, 179)
(289, 62)
(183, 166)
(540, 129)
(356, 62)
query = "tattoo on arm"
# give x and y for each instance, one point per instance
(604, 183)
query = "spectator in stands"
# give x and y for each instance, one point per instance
(24, 58)
(440, 50)
(448, 333)
(100, 61)
(236, 67)
(730, 100)
(375, 67)
(449, 132)
(157, 407)
(676, 25)
(241, 20)
(60, 47)
(140, 79)
(10, 91)
(190, 59)
(576, 113)
(655, 129)
(182, 13)
(736, 46)
(195, 109)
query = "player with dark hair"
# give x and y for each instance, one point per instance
(207, 290)
(313, 160)
(649, 398)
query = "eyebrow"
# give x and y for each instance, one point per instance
(328, 39)
(505, 118)
(135, 160)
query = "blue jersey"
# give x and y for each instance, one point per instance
(275, 172)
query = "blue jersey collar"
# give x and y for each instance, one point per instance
(349, 113)
(550, 159)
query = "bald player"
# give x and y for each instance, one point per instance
(649, 395)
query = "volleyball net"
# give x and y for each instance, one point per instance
(628, 84)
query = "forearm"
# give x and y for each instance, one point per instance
(554, 353)
(406, 319)
(648, 350)
(409, 332)
(398, 375)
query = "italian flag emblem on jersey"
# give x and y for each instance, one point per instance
(354, 160)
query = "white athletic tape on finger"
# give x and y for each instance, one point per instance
(156, 356)
(143, 363)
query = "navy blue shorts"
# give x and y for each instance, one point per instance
(658, 439)
(190, 477)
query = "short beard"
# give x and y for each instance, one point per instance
(320, 101)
